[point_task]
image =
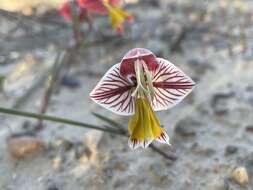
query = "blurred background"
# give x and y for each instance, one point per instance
(44, 69)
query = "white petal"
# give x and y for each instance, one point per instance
(171, 85)
(113, 92)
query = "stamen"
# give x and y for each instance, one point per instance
(135, 91)
(141, 74)
(140, 89)
(137, 79)
(144, 80)
(149, 81)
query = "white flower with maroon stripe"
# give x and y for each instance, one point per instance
(139, 85)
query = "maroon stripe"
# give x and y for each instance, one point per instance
(173, 85)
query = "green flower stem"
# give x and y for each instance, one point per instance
(56, 119)
(121, 132)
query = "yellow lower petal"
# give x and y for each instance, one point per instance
(144, 126)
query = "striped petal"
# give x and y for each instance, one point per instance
(113, 92)
(171, 85)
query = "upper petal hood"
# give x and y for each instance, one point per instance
(128, 61)
(113, 92)
(171, 85)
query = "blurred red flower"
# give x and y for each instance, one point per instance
(97, 6)
(69, 6)
(103, 7)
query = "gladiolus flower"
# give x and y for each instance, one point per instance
(138, 86)
(108, 7)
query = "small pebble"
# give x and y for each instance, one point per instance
(82, 151)
(2, 59)
(249, 128)
(201, 150)
(249, 88)
(219, 102)
(57, 161)
(216, 184)
(52, 187)
(187, 127)
(240, 176)
(200, 67)
(24, 146)
(230, 149)
(70, 82)
(159, 174)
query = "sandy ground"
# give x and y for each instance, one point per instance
(211, 130)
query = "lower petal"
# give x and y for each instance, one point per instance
(163, 138)
(144, 126)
